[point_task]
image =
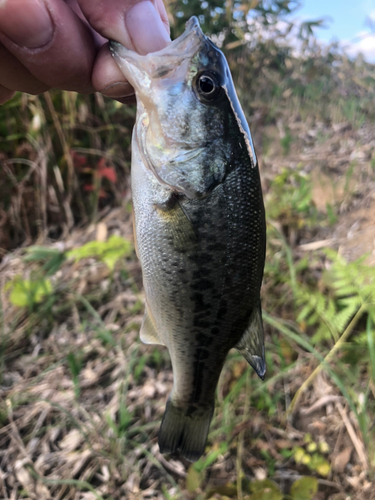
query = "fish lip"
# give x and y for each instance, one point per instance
(184, 47)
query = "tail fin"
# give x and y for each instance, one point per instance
(185, 429)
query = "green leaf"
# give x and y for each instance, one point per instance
(108, 252)
(264, 484)
(52, 258)
(320, 464)
(112, 256)
(210, 458)
(265, 490)
(75, 363)
(227, 490)
(26, 293)
(193, 479)
(304, 488)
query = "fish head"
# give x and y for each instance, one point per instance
(187, 111)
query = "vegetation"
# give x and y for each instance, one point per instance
(81, 398)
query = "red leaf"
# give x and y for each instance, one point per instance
(78, 160)
(108, 173)
(101, 164)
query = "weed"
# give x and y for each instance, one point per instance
(75, 365)
(28, 292)
(331, 214)
(108, 252)
(290, 199)
(286, 141)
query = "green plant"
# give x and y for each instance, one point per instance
(333, 312)
(304, 488)
(286, 141)
(51, 258)
(108, 252)
(28, 292)
(313, 455)
(290, 199)
(75, 361)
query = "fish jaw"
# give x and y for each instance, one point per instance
(140, 70)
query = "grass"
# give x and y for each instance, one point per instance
(81, 399)
(81, 383)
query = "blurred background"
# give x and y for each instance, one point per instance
(81, 398)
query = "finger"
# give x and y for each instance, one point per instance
(107, 77)
(16, 76)
(50, 40)
(5, 94)
(73, 4)
(128, 99)
(135, 24)
(159, 4)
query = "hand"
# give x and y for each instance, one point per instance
(62, 43)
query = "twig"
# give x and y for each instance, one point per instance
(167, 465)
(358, 444)
(328, 358)
(241, 438)
(82, 485)
(294, 477)
(324, 401)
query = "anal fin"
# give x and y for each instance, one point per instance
(148, 332)
(251, 345)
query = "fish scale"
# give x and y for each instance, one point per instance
(199, 225)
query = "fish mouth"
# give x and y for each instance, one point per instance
(159, 64)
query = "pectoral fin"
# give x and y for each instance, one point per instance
(148, 333)
(135, 235)
(251, 345)
(178, 224)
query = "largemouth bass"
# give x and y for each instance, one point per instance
(199, 224)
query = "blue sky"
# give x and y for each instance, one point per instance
(347, 22)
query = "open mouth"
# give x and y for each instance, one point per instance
(159, 64)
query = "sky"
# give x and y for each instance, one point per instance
(346, 21)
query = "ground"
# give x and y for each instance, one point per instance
(81, 399)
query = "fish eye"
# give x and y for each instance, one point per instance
(206, 84)
(208, 87)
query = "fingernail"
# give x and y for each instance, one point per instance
(146, 29)
(118, 89)
(127, 100)
(26, 23)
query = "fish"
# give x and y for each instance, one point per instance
(199, 221)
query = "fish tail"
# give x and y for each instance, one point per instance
(185, 429)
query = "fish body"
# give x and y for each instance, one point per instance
(199, 225)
